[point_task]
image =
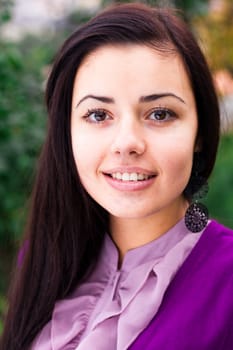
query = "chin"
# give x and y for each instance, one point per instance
(130, 214)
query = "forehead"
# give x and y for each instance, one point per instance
(132, 68)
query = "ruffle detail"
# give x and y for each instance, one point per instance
(114, 306)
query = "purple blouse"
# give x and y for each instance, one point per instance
(197, 309)
(113, 306)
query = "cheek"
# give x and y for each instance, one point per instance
(179, 150)
(79, 148)
(87, 155)
(82, 157)
(177, 165)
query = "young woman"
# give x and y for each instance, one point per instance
(120, 254)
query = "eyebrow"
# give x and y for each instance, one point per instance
(99, 98)
(155, 97)
(148, 98)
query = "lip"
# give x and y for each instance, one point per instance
(129, 186)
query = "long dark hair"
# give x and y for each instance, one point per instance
(66, 227)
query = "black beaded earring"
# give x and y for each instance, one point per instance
(196, 216)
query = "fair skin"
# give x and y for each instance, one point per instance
(133, 128)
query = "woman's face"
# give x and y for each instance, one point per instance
(134, 127)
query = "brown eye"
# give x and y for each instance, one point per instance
(161, 114)
(96, 116)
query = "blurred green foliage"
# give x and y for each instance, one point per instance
(24, 67)
(190, 8)
(3, 306)
(22, 123)
(220, 197)
(5, 10)
(21, 129)
(216, 32)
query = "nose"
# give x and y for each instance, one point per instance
(129, 139)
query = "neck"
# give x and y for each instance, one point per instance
(130, 233)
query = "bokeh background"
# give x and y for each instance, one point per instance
(30, 34)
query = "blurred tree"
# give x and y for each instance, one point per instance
(24, 66)
(216, 31)
(190, 7)
(5, 10)
(21, 131)
(23, 69)
(220, 200)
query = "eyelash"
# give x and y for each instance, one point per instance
(96, 111)
(172, 115)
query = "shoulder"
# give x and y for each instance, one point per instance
(220, 229)
(199, 298)
(213, 254)
(221, 246)
(218, 238)
(211, 260)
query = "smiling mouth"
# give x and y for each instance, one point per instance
(133, 177)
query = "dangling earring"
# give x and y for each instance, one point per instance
(196, 216)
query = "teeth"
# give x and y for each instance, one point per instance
(133, 177)
(130, 176)
(140, 176)
(125, 177)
